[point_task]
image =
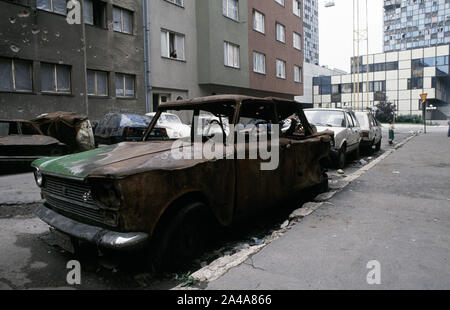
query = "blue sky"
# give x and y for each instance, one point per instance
(336, 35)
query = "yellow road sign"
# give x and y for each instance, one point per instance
(424, 97)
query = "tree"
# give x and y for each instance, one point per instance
(385, 112)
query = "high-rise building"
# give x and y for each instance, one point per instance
(415, 23)
(310, 30)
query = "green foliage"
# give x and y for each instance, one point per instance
(385, 112)
(411, 119)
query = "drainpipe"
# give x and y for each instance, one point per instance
(147, 75)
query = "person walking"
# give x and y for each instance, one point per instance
(448, 134)
(391, 133)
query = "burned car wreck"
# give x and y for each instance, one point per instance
(137, 195)
(22, 142)
(54, 134)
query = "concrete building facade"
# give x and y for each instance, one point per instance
(397, 77)
(92, 67)
(208, 47)
(411, 24)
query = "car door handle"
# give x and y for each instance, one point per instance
(287, 146)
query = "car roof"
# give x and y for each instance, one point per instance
(327, 109)
(220, 99)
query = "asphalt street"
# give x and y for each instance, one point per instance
(28, 262)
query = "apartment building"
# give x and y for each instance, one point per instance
(311, 30)
(398, 77)
(208, 47)
(93, 66)
(416, 23)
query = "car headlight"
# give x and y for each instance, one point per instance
(38, 177)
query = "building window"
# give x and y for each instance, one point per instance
(297, 7)
(258, 21)
(94, 13)
(281, 32)
(231, 9)
(97, 83)
(55, 78)
(177, 2)
(172, 45)
(297, 74)
(415, 83)
(123, 20)
(297, 41)
(280, 2)
(15, 75)
(259, 63)
(125, 85)
(281, 69)
(231, 55)
(55, 6)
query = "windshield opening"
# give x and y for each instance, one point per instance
(326, 118)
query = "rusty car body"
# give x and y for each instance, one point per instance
(135, 194)
(22, 142)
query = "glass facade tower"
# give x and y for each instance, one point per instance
(415, 23)
(311, 31)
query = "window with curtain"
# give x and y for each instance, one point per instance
(231, 9)
(281, 32)
(259, 63)
(55, 6)
(125, 85)
(122, 20)
(55, 78)
(15, 75)
(172, 45)
(297, 7)
(297, 74)
(297, 41)
(97, 82)
(258, 21)
(231, 55)
(281, 69)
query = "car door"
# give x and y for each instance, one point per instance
(351, 133)
(258, 189)
(376, 128)
(356, 129)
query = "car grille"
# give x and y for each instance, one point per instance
(72, 197)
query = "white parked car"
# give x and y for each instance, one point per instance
(173, 125)
(347, 132)
(371, 134)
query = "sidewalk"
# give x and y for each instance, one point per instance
(398, 213)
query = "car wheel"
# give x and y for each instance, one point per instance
(378, 146)
(183, 238)
(341, 159)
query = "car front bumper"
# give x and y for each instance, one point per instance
(92, 234)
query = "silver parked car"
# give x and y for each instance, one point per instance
(347, 133)
(371, 134)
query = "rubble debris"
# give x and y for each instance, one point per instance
(285, 224)
(363, 162)
(340, 171)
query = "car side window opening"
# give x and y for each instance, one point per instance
(350, 120)
(4, 129)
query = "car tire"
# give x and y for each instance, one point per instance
(378, 146)
(183, 238)
(341, 158)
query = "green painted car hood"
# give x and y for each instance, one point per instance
(84, 164)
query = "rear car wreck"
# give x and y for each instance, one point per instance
(49, 135)
(136, 195)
